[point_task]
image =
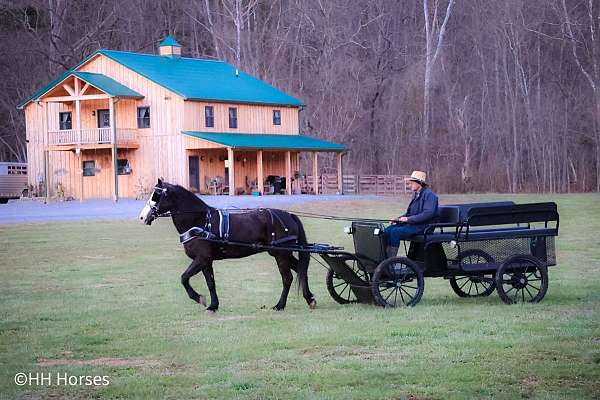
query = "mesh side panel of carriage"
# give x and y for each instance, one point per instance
(541, 247)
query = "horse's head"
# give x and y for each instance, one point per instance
(160, 202)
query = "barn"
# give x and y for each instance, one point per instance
(108, 127)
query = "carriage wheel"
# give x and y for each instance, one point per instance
(474, 285)
(339, 289)
(397, 282)
(522, 278)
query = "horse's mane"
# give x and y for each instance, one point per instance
(186, 195)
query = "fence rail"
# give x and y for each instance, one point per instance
(90, 136)
(383, 185)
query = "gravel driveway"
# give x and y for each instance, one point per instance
(26, 211)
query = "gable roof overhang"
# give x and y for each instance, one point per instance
(101, 82)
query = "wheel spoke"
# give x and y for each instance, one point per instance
(464, 284)
(530, 295)
(396, 297)
(410, 297)
(536, 288)
(343, 290)
(389, 295)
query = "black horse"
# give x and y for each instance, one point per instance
(260, 226)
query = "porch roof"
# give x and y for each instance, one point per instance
(107, 85)
(267, 141)
(99, 81)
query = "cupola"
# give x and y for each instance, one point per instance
(169, 47)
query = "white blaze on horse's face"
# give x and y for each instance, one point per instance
(147, 210)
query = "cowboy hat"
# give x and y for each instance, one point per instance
(418, 176)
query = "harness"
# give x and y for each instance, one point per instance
(222, 235)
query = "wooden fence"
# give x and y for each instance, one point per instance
(383, 185)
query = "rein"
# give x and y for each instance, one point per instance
(298, 213)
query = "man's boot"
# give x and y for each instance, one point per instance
(391, 251)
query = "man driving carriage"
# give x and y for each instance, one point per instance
(422, 211)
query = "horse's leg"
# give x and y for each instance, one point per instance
(210, 282)
(192, 270)
(306, 293)
(283, 263)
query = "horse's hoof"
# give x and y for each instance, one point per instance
(277, 308)
(202, 300)
(211, 312)
(313, 305)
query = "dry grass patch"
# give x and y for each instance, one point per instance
(99, 362)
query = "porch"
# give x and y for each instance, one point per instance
(240, 163)
(88, 137)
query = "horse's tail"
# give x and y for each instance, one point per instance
(303, 257)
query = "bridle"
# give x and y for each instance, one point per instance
(160, 191)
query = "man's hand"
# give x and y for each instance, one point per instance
(403, 219)
(399, 220)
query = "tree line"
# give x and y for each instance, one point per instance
(484, 95)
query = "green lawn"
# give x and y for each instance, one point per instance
(104, 298)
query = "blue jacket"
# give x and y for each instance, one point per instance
(423, 208)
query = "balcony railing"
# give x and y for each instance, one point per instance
(90, 136)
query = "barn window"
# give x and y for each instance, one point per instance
(232, 117)
(89, 168)
(123, 167)
(276, 117)
(64, 119)
(143, 117)
(209, 116)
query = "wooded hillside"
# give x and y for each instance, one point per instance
(485, 95)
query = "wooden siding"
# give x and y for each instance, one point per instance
(163, 151)
(66, 170)
(251, 118)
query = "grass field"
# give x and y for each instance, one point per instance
(104, 298)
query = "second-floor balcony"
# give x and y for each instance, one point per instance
(93, 136)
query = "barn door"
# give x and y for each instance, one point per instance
(194, 168)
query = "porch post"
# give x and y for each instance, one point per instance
(78, 112)
(78, 127)
(46, 155)
(230, 157)
(315, 173)
(113, 135)
(288, 172)
(260, 179)
(340, 173)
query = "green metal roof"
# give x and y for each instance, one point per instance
(107, 85)
(266, 141)
(99, 81)
(201, 79)
(192, 79)
(169, 41)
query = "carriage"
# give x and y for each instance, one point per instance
(479, 248)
